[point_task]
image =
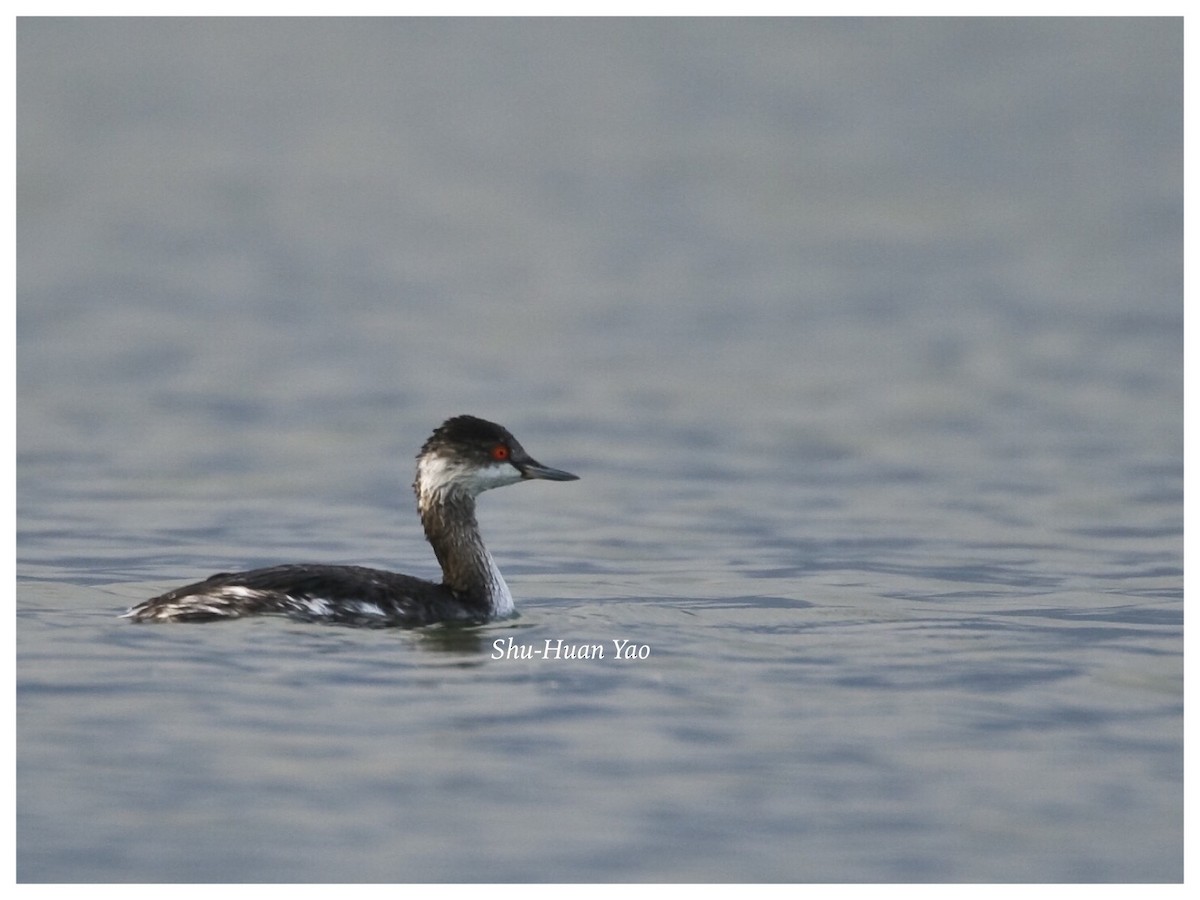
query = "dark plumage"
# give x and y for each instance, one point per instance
(462, 458)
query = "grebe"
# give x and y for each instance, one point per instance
(462, 458)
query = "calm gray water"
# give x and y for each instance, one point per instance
(865, 339)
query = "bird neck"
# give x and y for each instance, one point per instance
(448, 516)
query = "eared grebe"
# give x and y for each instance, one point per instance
(461, 459)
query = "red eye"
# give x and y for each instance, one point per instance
(500, 452)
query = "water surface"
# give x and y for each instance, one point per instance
(864, 338)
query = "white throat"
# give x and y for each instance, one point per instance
(498, 594)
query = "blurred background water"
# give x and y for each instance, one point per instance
(865, 337)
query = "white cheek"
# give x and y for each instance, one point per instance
(493, 476)
(436, 473)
